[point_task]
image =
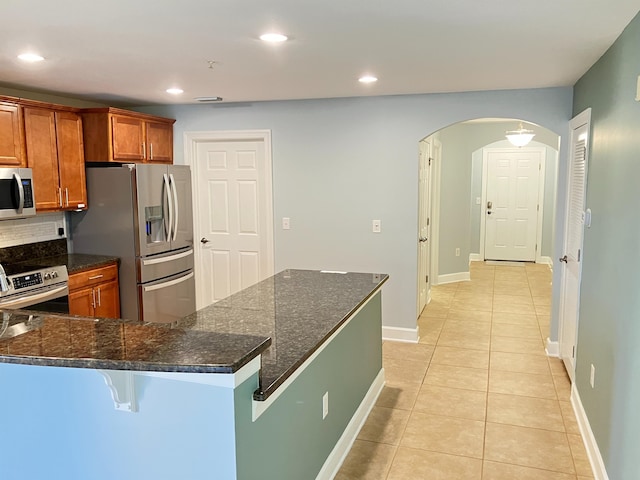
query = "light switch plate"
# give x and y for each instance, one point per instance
(286, 223)
(376, 226)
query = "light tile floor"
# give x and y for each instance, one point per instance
(477, 398)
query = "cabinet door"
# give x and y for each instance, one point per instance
(81, 302)
(159, 142)
(11, 151)
(107, 300)
(71, 160)
(127, 137)
(42, 156)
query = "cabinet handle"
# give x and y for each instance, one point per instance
(66, 193)
(151, 151)
(144, 150)
(60, 196)
(95, 277)
(93, 298)
(99, 300)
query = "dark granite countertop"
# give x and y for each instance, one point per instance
(285, 318)
(76, 262)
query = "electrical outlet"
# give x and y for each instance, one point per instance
(325, 405)
(457, 252)
(592, 378)
(376, 227)
(286, 223)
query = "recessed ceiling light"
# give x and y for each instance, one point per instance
(273, 37)
(368, 79)
(30, 57)
(175, 91)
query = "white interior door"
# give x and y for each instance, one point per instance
(424, 192)
(512, 199)
(234, 231)
(574, 233)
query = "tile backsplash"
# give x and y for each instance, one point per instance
(32, 230)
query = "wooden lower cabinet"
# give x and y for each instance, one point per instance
(95, 293)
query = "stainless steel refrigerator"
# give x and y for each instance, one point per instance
(142, 214)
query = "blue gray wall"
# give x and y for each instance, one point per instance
(339, 163)
(609, 325)
(461, 182)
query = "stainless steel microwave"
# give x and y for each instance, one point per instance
(16, 193)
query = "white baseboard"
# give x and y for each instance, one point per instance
(335, 459)
(454, 277)
(552, 348)
(545, 260)
(593, 452)
(398, 334)
(476, 257)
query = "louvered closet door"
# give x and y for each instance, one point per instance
(573, 243)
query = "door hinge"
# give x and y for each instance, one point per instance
(430, 160)
(537, 208)
(573, 353)
(536, 247)
(578, 254)
(427, 279)
(539, 166)
(428, 220)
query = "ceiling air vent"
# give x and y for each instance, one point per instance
(208, 99)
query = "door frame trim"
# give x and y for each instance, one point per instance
(541, 178)
(191, 141)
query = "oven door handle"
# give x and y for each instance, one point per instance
(33, 299)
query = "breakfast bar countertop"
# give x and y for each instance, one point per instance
(284, 318)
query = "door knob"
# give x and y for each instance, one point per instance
(563, 259)
(423, 239)
(204, 240)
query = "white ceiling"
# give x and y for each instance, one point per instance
(130, 51)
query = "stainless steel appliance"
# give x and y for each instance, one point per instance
(142, 214)
(34, 287)
(16, 193)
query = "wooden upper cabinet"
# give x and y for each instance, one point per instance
(11, 136)
(42, 157)
(55, 153)
(127, 139)
(73, 181)
(159, 142)
(116, 135)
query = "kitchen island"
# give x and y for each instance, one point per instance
(272, 382)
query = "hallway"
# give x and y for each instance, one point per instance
(477, 398)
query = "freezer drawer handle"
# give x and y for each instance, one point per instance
(170, 258)
(168, 284)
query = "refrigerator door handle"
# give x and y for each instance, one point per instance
(170, 258)
(168, 284)
(176, 205)
(167, 192)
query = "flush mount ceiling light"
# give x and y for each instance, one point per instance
(174, 91)
(520, 137)
(368, 79)
(273, 37)
(30, 57)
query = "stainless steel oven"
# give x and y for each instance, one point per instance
(34, 288)
(16, 193)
